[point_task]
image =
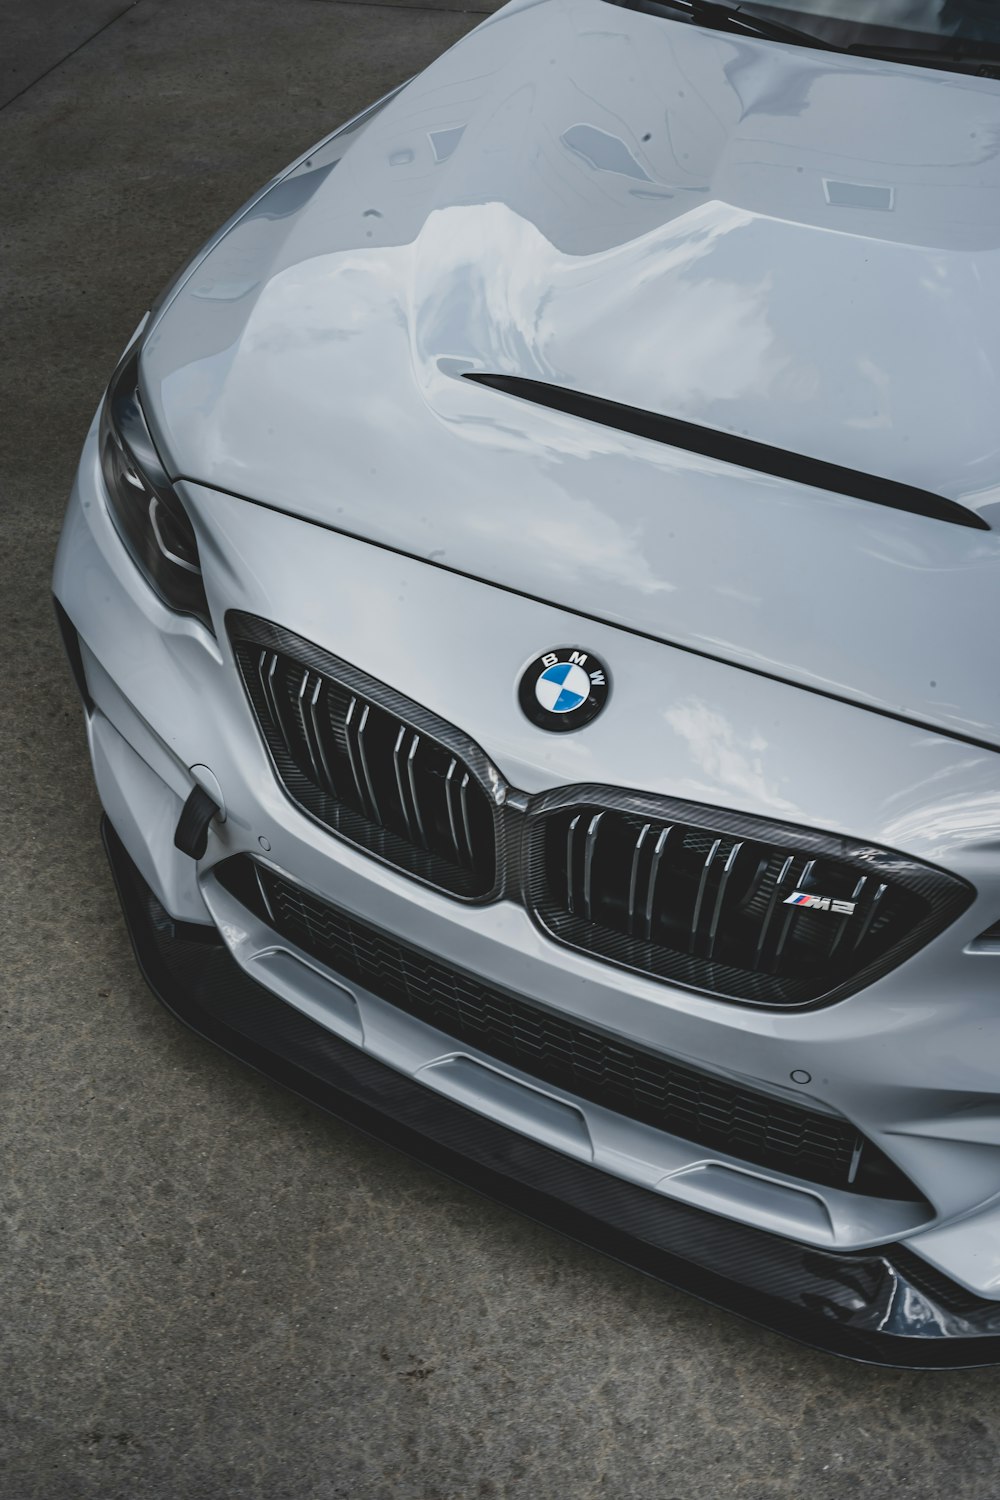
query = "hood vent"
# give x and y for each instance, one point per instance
(730, 449)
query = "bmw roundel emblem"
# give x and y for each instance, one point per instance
(564, 688)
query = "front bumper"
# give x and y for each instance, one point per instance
(911, 1061)
(884, 1307)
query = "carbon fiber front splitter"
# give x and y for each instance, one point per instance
(883, 1307)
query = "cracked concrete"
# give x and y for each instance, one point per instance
(210, 1290)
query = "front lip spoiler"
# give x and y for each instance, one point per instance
(882, 1307)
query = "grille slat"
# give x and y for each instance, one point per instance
(793, 913)
(302, 725)
(781, 885)
(654, 872)
(465, 803)
(353, 753)
(840, 928)
(269, 667)
(411, 777)
(710, 1111)
(309, 698)
(589, 850)
(864, 927)
(571, 897)
(454, 821)
(699, 900)
(402, 782)
(720, 896)
(359, 740)
(633, 881)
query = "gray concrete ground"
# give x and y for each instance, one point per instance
(209, 1290)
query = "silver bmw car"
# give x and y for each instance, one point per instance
(531, 584)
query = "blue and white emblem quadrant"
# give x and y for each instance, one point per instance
(562, 688)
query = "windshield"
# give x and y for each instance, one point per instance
(962, 34)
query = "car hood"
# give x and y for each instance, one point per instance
(778, 243)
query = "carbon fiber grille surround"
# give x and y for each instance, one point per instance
(739, 907)
(675, 1097)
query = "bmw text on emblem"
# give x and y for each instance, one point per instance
(564, 689)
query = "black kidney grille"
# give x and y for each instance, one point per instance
(646, 1086)
(696, 896)
(707, 908)
(370, 775)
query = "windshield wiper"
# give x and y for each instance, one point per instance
(719, 16)
(969, 58)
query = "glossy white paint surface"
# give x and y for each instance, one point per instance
(663, 216)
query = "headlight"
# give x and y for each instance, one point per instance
(145, 507)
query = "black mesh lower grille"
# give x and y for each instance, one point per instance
(642, 1085)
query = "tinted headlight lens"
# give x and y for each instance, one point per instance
(145, 507)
